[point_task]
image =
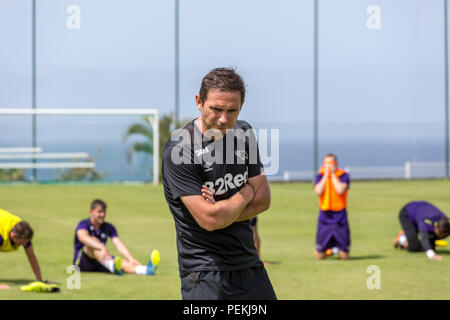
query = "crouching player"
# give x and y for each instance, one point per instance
(331, 186)
(90, 240)
(14, 232)
(424, 220)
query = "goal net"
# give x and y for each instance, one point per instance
(82, 145)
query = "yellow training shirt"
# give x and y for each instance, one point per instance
(7, 223)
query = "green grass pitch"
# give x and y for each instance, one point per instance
(287, 232)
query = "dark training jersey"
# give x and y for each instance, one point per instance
(423, 215)
(106, 230)
(205, 163)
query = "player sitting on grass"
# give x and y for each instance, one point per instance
(423, 219)
(90, 238)
(15, 233)
(331, 186)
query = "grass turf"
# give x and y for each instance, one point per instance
(287, 233)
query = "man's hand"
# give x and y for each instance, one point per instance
(208, 195)
(332, 168)
(436, 257)
(4, 286)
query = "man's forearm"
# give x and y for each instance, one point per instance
(260, 203)
(425, 241)
(231, 209)
(320, 187)
(124, 251)
(92, 242)
(338, 185)
(34, 264)
(36, 269)
(212, 215)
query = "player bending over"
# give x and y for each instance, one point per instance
(424, 220)
(90, 238)
(14, 232)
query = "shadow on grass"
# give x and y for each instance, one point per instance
(442, 253)
(366, 257)
(16, 281)
(21, 282)
(271, 262)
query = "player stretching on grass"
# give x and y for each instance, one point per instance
(90, 238)
(423, 219)
(14, 232)
(331, 186)
(212, 196)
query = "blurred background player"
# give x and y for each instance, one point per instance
(421, 219)
(257, 238)
(90, 238)
(14, 232)
(331, 185)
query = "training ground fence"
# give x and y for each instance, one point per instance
(410, 170)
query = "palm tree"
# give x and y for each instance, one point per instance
(144, 130)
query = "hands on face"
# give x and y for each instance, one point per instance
(329, 167)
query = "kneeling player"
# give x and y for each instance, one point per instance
(331, 186)
(90, 238)
(424, 220)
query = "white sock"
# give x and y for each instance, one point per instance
(109, 264)
(402, 239)
(142, 270)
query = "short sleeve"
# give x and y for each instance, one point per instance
(345, 178)
(82, 225)
(112, 231)
(318, 178)
(183, 179)
(255, 167)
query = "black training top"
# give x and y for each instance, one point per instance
(191, 160)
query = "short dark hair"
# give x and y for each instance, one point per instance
(443, 226)
(23, 230)
(98, 202)
(330, 155)
(222, 79)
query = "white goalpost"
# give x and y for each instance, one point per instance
(151, 113)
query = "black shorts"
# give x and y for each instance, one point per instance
(247, 284)
(88, 264)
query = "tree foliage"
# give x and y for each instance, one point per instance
(144, 131)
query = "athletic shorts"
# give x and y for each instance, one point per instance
(247, 284)
(333, 235)
(88, 264)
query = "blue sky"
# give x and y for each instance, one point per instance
(374, 84)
